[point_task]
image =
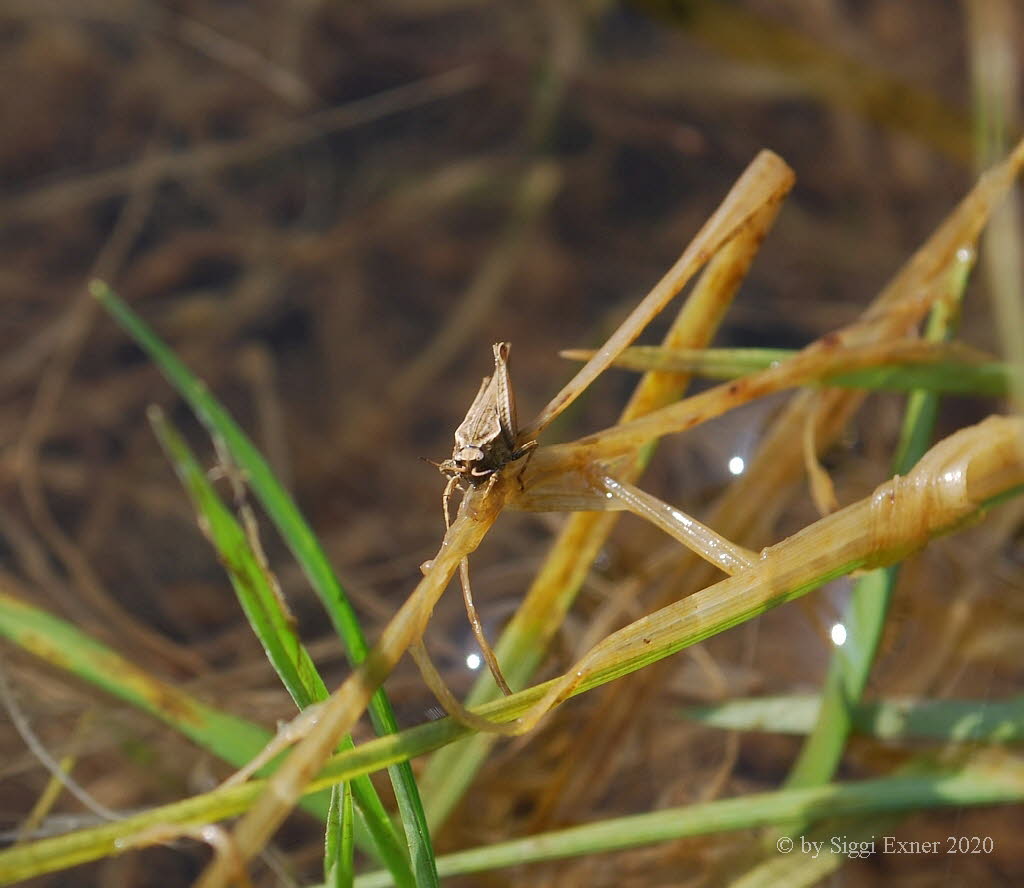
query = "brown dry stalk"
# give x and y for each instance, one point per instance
(763, 185)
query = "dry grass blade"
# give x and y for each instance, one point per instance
(697, 537)
(823, 491)
(435, 681)
(946, 488)
(898, 308)
(961, 229)
(764, 183)
(995, 76)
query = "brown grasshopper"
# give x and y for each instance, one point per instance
(486, 441)
(488, 438)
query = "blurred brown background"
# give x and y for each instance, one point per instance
(331, 211)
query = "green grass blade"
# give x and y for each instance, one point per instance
(278, 503)
(266, 616)
(974, 785)
(991, 380)
(272, 625)
(57, 642)
(304, 546)
(338, 865)
(946, 721)
(949, 375)
(846, 679)
(981, 783)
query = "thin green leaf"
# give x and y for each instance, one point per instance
(230, 738)
(338, 848)
(949, 375)
(304, 546)
(252, 586)
(272, 625)
(947, 721)
(974, 785)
